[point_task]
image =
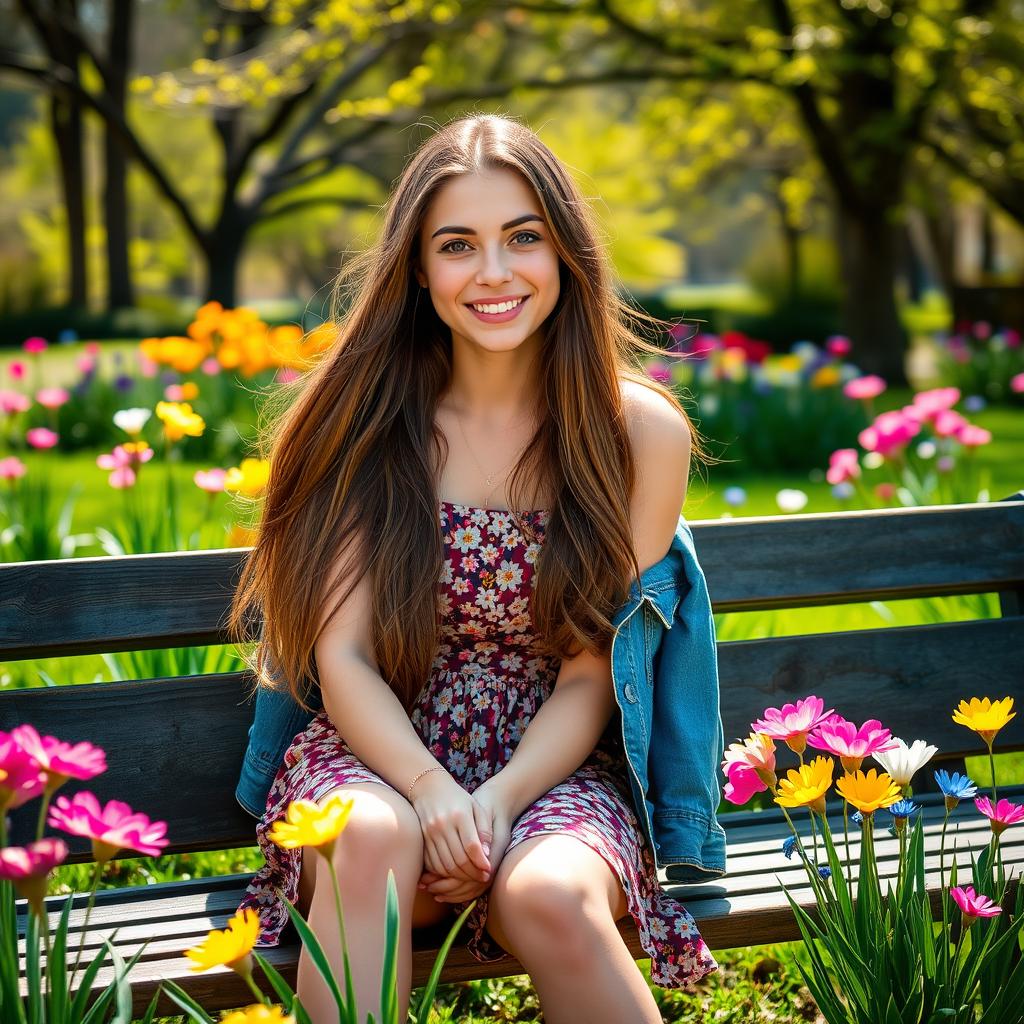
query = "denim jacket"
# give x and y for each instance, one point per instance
(665, 672)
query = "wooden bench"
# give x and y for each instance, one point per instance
(174, 745)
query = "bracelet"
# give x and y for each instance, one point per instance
(436, 768)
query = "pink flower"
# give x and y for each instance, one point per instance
(288, 373)
(982, 330)
(147, 367)
(1012, 338)
(659, 372)
(21, 777)
(843, 465)
(928, 404)
(792, 722)
(16, 370)
(889, 433)
(28, 866)
(948, 423)
(972, 436)
(121, 462)
(210, 366)
(92, 348)
(749, 767)
(52, 398)
(1017, 383)
(885, 491)
(111, 828)
(850, 744)
(870, 386)
(34, 345)
(85, 364)
(41, 437)
(838, 345)
(13, 401)
(1003, 815)
(972, 905)
(11, 468)
(174, 393)
(210, 480)
(61, 761)
(743, 783)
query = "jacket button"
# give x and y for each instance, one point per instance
(630, 693)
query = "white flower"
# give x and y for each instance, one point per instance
(131, 421)
(789, 499)
(902, 762)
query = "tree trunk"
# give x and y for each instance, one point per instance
(115, 186)
(222, 248)
(869, 258)
(66, 126)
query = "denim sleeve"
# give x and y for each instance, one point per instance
(688, 735)
(277, 719)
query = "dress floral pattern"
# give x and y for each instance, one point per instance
(487, 681)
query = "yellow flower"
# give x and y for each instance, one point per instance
(869, 792)
(250, 478)
(179, 420)
(807, 785)
(257, 1014)
(230, 947)
(984, 716)
(825, 377)
(242, 536)
(307, 823)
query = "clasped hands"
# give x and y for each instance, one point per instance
(465, 836)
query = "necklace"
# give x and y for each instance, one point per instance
(488, 478)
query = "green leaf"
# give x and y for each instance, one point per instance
(284, 992)
(32, 971)
(85, 987)
(427, 996)
(57, 967)
(320, 961)
(122, 987)
(147, 1017)
(180, 997)
(389, 972)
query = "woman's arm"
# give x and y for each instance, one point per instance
(372, 721)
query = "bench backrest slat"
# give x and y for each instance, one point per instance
(140, 602)
(175, 746)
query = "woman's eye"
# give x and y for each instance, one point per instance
(531, 236)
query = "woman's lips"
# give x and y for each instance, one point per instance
(498, 318)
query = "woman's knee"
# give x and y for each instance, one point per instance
(544, 908)
(382, 831)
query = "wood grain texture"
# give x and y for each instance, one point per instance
(745, 907)
(139, 602)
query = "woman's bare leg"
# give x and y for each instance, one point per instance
(383, 832)
(553, 905)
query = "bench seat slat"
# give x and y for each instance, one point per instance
(746, 907)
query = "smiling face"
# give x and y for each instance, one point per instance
(485, 241)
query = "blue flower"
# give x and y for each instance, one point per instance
(974, 403)
(957, 786)
(789, 847)
(825, 873)
(844, 489)
(734, 496)
(856, 817)
(903, 809)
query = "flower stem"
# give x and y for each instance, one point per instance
(97, 871)
(41, 823)
(992, 768)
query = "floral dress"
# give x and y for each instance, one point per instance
(487, 681)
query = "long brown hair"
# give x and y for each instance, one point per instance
(354, 451)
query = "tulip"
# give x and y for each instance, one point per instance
(110, 828)
(21, 776)
(868, 792)
(807, 785)
(231, 947)
(792, 722)
(903, 762)
(28, 868)
(973, 905)
(307, 823)
(41, 437)
(870, 386)
(850, 744)
(984, 716)
(1002, 815)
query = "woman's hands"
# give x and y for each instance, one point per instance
(455, 827)
(460, 886)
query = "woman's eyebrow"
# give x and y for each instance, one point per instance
(504, 227)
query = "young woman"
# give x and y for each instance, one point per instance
(461, 492)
